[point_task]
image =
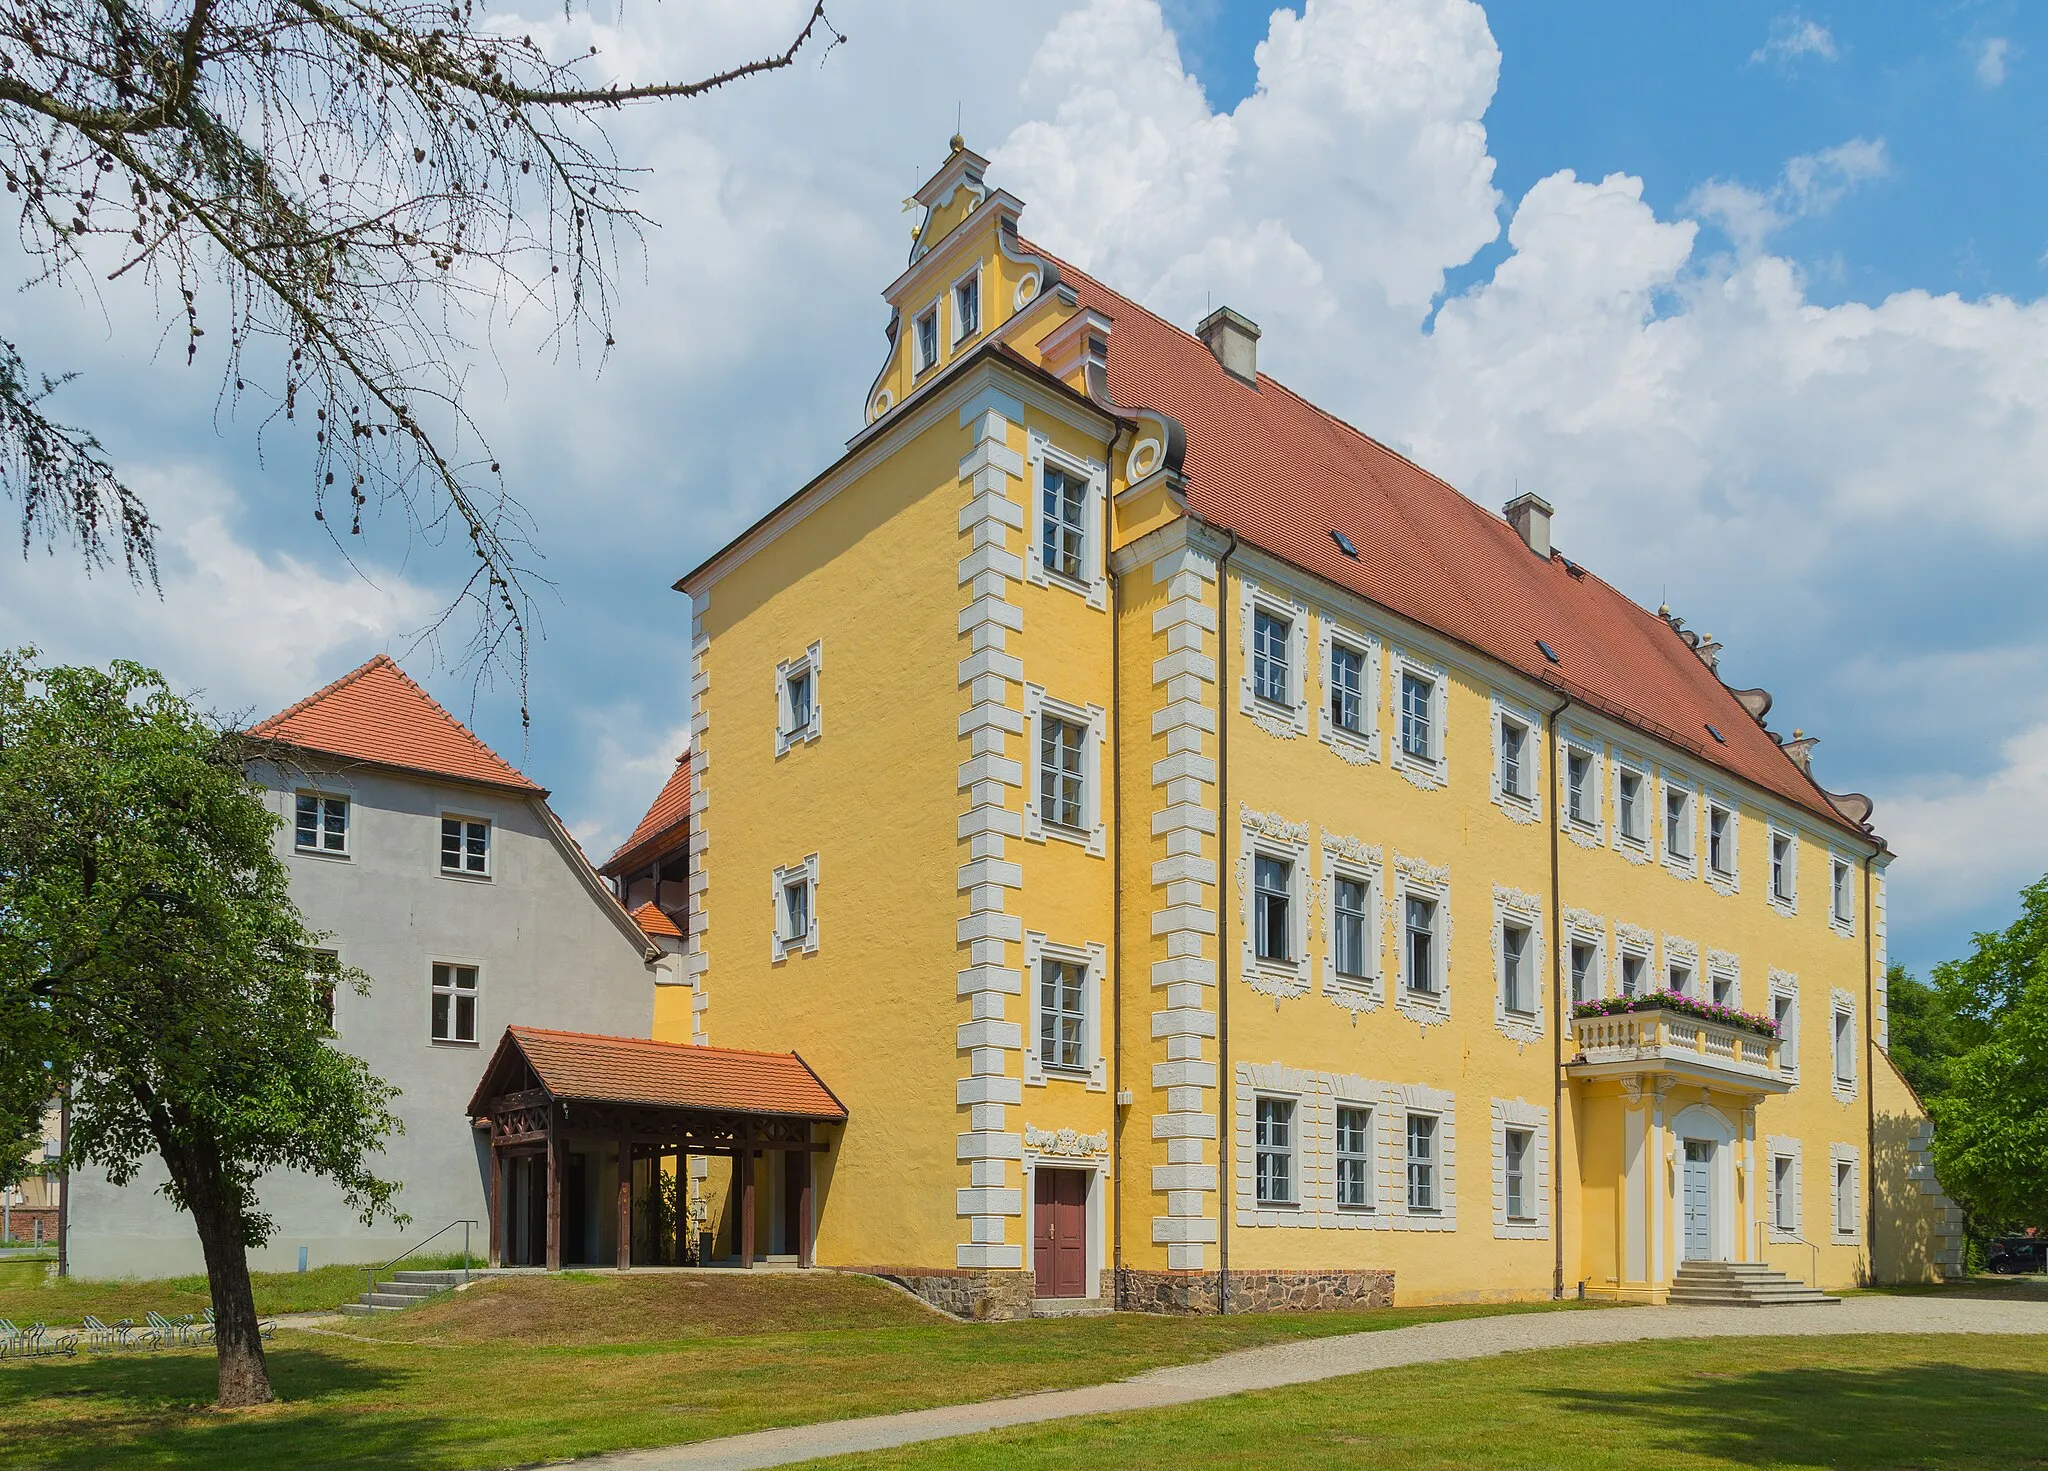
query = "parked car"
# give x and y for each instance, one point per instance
(2015, 1255)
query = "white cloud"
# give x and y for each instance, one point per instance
(1992, 59)
(251, 630)
(1810, 184)
(631, 758)
(1965, 841)
(1793, 38)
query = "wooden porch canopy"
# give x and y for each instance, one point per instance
(653, 1099)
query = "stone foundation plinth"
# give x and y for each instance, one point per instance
(978, 1295)
(1254, 1292)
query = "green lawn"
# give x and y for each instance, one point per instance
(1951, 1403)
(527, 1370)
(28, 1293)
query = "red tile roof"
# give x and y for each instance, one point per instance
(637, 1070)
(1283, 474)
(653, 921)
(376, 713)
(663, 826)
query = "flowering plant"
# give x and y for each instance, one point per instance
(1677, 1001)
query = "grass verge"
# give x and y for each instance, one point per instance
(527, 1370)
(1939, 1403)
(30, 1293)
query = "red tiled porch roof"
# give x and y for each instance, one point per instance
(640, 1071)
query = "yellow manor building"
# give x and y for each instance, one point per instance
(1180, 831)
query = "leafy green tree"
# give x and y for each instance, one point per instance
(1991, 1143)
(1926, 1033)
(152, 963)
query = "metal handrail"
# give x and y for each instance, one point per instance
(1762, 1240)
(465, 1224)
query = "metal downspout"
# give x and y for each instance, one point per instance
(1869, 1068)
(1223, 826)
(1116, 934)
(1556, 1008)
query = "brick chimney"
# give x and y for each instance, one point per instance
(1234, 340)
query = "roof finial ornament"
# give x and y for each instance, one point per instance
(959, 139)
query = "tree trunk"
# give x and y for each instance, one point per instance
(244, 1377)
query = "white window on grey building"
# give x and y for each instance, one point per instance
(1517, 986)
(1354, 1158)
(454, 1003)
(1578, 781)
(1422, 1193)
(1273, 908)
(1062, 1015)
(465, 845)
(1418, 945)
(1063, 526)
(322, 825)
(1347, 688)
(1271, 678)
(1061, 771)
(1274, 1151)
(1418, 722)
(1516, 1147)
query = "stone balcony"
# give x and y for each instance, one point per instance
(1684, 1048)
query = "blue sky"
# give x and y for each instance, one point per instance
(1722, 344)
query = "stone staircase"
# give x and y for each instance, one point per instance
(403, 1290)
(1740, 1285)
(1069, 1307)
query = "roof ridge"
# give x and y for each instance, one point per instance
(650, 1042)
(331, 687)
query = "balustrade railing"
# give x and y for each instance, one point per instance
(1671, 1036)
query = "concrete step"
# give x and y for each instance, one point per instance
(1069, 1307)
(410, 1289)
(365, 1310)
(451, 1278)
(383, 1299)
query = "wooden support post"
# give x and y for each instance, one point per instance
(557, 1167)
(625, 1199)
(743, 1161)
(809, 1171)
(497, 1206)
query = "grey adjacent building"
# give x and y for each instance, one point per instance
(439, 870)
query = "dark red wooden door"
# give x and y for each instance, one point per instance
(1060, 1219)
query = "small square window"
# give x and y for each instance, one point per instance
(1578, 781)
(1517, 993)
(967, 307)
(1585, 978)
(1418, 950)
(1062, 1015)
(1514, 743)
(1418, 716)
(1354, 1158)
(1061, 771)
(1629, 805)
(1273, 908)
(1422, 1162)
(454, 1003)
(1274, 1151)
(1063, 535)
(466, 846)
(1516, 1147)
(1351, 899)
(1271, 679)
(927, 339)
(1720, 839)
(322, 825)
(1347, 689)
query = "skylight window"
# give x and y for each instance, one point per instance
(1344, 545)
(1548, 652)
(1718, 737)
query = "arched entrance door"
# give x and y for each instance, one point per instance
(1696, 1197)
(1705, 1184)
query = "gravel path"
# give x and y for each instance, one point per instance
(1328, 1358)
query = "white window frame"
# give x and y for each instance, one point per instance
(1633, 846)
(1589, 831)
(434, 989)
(1524, 912)
(1401, 1100)
(1093, 958)
(1786, 903)
(465, 872)
(1842, 1045)
(1360, 747)
(1370, 1204)
(1512, 1114)
(1296, 1117)
(1288, 718)
(788, 734)
(1633, 941)
(1581, 927)
(348, 824)
(1685, 863)
(1093, 584)
(1525, 802)
(1682, 955)
(1265, 835)
(1841, 881)
(1348, 858)
(1416, 879)
(1093, 833)
(1433, 771)
(1724, 965)
(961, 332)
(1782, 1148)
(783, 944)
(1845, 1203)
(1433, 1162)
(1784, 985)
(1728, 880)
(920, 362)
